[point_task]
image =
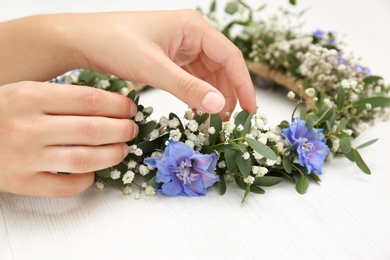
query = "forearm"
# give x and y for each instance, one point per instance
(35, 48)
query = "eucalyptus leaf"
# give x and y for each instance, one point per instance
(147, 147)
(244, 166)
(302, 184)
(202, 118)
(216, 122)
(360, 162)
(374, 101)
(240, 120)
(367, 143)
(314, 176)
(340, 98)
(247, 190)
(256, 189)
(222, 184)
(261, 148)
(230, 159)
(287, 165)
(146, 129)
(345, 143)
(231, 8)
(105, 173)
(267, 180)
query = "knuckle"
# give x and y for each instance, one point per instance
(23, 95)
(191, 87)
(81, 161)
(92, 100)
(93, 129)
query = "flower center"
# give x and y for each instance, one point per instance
(308, 146)
(184, 172)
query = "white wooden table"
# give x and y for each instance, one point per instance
(347, 216)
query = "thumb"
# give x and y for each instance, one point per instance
(191, 90)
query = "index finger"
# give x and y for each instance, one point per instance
(219, 49)
(85, 101)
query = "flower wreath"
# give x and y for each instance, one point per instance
(184, 157)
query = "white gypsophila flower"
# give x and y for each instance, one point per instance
(368, 106)
(273, 137)
(154, 134)
(348, 132)
(310, 92)
(175, 134)
(190, 143)
(100, 185)
(278, 160)
(148, 110)
(192, 125)
(228, 177)
(137, 196)
(222, 164)
(115, 174)
(262, 171)
(191, 137)
(132, 148)
(279, 146)
(149, 191)
(128, 177)
(270, 162)
(211, 130)
(249, 179)
(103, 84)
(127, 190)
(173, 123)
(144, 185)
(363, 126)
(163, 121)
(353, 97)
(124, 91)
(257, 155)
(255, 169)
(246, 156)
(138, 152)
(330, 156)
(240, 128)
(139, 117)
(143, 170)
(291, 95)
(345, 84)
(328, 103)
(335, 145)
(228, 127)
(157, 155)
(131, 164)
(263, 138)
(188, 115)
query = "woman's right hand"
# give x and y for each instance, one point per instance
(47, 128)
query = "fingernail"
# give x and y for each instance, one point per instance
(213, 102)
(135, 130)
(125, 150)
(133, 109)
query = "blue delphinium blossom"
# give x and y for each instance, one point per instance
(184, 171)
(318, 34)
(311, 145)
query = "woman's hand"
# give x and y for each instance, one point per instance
(46, 128)
(177, 51)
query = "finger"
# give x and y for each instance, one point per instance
(80, 159)
(88, 130)
(81, 100)
(223, 52)
(47, 184)
(195, 92)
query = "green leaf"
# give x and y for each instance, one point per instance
(244, 166)
(345, 143)
(371, 79)
(105, 173)
(132, 95)
(350, 155)
(117, 84)
(291, 147)
(302, 184)
(146, 129)
(261, 148)
(287, 165)
(367, 143)
(222, 184)
(360, 162)
(230, 159)
(152, 182)
(284, 124)
(216, 122)
(180, 127)
(256, 189)
(213, 6)
(247, 190)
(147, 147)
(240, 182)
(207, 149)
(315, 176)
(292, 2)
(240, 120)
(201, 119)
(238, 147)
(340, 98)
(342, 123)
(231, 8)
(374, 101)
(303, 113)
(267, 180)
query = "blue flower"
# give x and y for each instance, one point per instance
(311, 147)
(184, 171)
(318, 34)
